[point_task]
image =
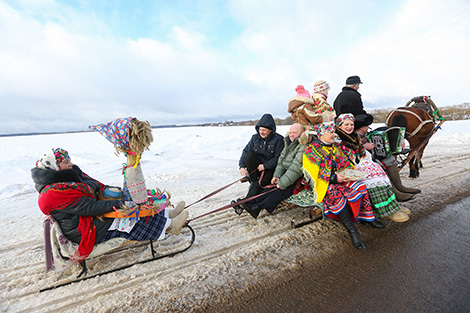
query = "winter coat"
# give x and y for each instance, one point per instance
(78, 196)
(289, 165)
(306, 111)
(266, 150)
(349, 101)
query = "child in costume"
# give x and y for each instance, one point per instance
(309, 111)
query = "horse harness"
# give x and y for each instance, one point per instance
(422, 122)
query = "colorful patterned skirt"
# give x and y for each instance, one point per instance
(380, 190)
(351, 195)
(147, 228)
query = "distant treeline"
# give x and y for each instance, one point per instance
(450, 113)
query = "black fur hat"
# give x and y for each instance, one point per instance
(363, 120)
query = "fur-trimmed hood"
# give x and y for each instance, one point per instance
(45, 177)
(296, 102)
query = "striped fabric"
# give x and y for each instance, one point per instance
(352, 195)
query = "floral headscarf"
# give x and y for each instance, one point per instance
(117, 131)
(51, 159)
(323, 128)
(343, 117)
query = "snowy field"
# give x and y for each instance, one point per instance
(231, 253)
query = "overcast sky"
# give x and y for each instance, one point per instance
(66, 66)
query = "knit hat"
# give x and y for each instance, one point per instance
(321, 86)
(343, 117)
(302, 92)
(51, 159)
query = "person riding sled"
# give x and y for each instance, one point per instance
(332, 178)
(78, 203)
(390, 163)
(260, 155)
(287, 175)
(309, 111)
(379, 188)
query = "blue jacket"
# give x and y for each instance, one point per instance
(268, 150)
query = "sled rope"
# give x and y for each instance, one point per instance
(223, 188)
(231, 205)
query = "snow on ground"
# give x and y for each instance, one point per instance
(231, 253)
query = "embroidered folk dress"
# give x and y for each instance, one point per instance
(380, 190)
(319, 162)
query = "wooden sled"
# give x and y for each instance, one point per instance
(53, 234)
(311, 210)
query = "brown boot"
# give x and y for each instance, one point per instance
(401, 196)
(394, 176)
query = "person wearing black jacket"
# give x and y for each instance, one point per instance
(349, 99)
(260, 155)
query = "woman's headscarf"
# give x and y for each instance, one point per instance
(323, 128)
(51, 159)
(117, 132)
(343, 117)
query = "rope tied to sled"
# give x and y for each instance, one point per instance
(271, 189)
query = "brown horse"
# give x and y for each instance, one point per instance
(419, 121)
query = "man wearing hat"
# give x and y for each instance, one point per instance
(349, 99)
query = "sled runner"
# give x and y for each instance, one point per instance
(59, 253)
(311, 210)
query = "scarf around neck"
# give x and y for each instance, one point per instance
(318, 166)
(353, 144)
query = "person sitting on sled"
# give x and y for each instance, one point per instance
(334, 180)
(74, 200)
(390, 163)
(260, 155)
(314, 110)
(287, 175)
(379, 188)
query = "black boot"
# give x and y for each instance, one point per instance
(238, 209)
(394, 176)
(374, 223)
(254, 210)
(345, 218)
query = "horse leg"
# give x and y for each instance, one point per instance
(413, 167)
(421, 155)
(417, 161)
